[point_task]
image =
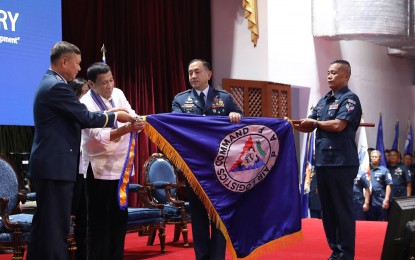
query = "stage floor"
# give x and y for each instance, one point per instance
(369, 243)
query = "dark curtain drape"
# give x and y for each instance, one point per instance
(149, 45)
(15, 139)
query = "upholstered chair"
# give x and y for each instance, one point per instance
(161, 176)
(14, 225)
(149, 218)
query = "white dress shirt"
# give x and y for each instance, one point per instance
(106, 157)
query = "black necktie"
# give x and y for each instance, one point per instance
(202, 99)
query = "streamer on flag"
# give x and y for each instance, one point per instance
(379, 142)
(409, 147)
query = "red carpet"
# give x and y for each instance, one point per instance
(369, 243)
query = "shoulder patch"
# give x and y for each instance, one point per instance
(58, 78)
(222, 90)
(184, 92)
(350, 104)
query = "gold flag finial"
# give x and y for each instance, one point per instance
(103, 50)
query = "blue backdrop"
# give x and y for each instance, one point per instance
(28, 29)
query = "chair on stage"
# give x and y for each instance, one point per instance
(14, 225)
(161, 176)
(148, 219)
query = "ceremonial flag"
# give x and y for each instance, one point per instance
(245, 174)
(362, 147)
(409, 147)
(395, 145)
(308, 168)
(379, 142)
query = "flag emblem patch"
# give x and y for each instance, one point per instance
(245, 157)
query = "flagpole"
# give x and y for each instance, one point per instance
(103, 50)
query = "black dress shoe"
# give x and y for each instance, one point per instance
(335, 256)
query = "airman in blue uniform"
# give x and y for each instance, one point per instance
(218, 103)
(361, 195)
(336, 117)
(401, 176)
(208, 241)
(381, 181)
(407, 160)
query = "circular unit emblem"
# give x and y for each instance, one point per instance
(246, 156)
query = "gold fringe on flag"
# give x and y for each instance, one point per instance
(178, 161)
(251, 10)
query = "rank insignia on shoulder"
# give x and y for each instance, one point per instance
(59, 78)
(334, 106)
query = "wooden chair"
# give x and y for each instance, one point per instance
(15, 226)
(148, 219)
(161, 177)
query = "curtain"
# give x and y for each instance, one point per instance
(15, 139)
(149, 45)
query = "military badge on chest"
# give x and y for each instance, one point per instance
(218, 107)
(398, 172)
(333, 108)
(188, 106)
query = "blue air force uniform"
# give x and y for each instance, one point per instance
(379, 178)
(218, 103)
(401, 176)
(360, 184)
(336, 165)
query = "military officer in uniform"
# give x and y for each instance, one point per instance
(336, 117)
(205, 100)
(401, 176)
(381, 181)
(214, 102)
(361, 195)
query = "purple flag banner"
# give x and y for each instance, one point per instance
(246, 175)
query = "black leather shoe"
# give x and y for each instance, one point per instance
(335, 256)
